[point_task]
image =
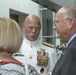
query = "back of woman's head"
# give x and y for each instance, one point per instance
(10, 35)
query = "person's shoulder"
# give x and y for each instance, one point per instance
(48, 45)
(18, 54)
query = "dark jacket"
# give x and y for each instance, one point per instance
(66, 65)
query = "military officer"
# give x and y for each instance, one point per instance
(41, 57)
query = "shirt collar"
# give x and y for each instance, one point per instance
(72, 37)
(32, 43)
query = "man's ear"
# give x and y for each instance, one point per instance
(23, 26)
(71, 23)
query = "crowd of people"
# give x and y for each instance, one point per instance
(38, 59)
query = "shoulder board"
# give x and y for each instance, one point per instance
(18, 54)
(48, 44)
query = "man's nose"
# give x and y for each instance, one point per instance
(34, 29)
(54, 27)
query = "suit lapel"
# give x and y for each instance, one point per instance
(58, 62)
(72, 43)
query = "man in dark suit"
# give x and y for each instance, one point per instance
(65, 25)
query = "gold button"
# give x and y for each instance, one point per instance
(30, 57)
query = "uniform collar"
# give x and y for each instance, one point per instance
(32, 43)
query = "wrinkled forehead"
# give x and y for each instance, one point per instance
(34, 25)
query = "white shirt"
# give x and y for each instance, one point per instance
(29, 50)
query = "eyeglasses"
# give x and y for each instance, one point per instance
(56, 21)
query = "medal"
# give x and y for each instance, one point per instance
(42, 70)
(30, 57)
(42, 58)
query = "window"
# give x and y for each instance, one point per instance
(47, 18)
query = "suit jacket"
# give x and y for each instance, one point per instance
(66, 65)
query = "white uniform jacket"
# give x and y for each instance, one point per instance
(29, 50)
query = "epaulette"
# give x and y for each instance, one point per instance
(48, 44)
(18, 54)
